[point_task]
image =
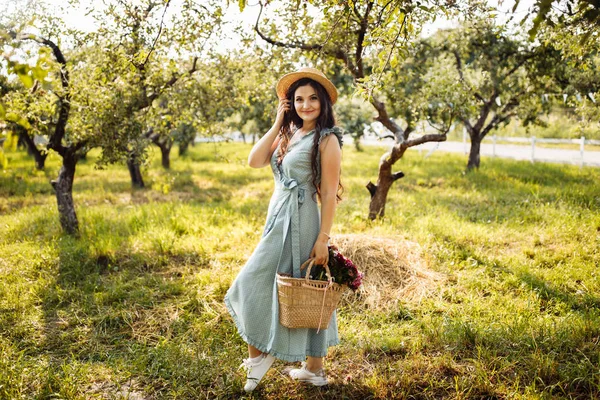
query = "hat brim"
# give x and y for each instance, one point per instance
(288, 80)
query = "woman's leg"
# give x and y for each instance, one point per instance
(253, 351)
(314, 364)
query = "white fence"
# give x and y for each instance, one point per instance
(532, 141)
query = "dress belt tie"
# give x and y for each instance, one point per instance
(294, 198)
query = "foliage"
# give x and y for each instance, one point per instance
(133, 73)
(355, 116)
(254, 99)
(581, 16)
(424, 87)
(499, 72)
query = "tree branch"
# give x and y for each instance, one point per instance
(160, 27)
(337, 53)
(64, 101)
(297, 45)
(459, 68)
(466, 123)
(384, 118)
(364, 25)
(382, 11)
(502, 116)
(392, 48)
(434, 137)
(169, 83)
(516, 67)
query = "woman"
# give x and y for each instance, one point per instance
(303, 148)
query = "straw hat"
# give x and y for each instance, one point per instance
(288, 80)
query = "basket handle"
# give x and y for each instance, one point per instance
(310, 262)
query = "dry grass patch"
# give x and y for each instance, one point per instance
(395, 270)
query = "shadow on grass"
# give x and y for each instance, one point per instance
(547, 293)
(105, 311)
(554, 340)
(545, 290)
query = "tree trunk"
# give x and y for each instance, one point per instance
(474, 157)
(380, 191)
(357, 144)
(21, 144)
(133, 164)
(165, 152)
(40, 159)
(183, 148)
(63, 186)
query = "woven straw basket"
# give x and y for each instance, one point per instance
(307, 303)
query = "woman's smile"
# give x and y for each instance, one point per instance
(307, 104)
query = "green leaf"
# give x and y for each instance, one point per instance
(27, 80)
(242, 5)
(2, 111)
(24, 123)
(11, 117)
(14, 117)
(3, 160)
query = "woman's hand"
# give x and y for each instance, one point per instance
(284, 106)
(320, 252)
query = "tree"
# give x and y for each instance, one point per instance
(97, 105)
(195, 104)
(35, 106)
(255, 72)
(22, 115)
(184, 134)
(581, 16)
(499, 77)
(572, 27)
(353, 33)
(355, 116)
(140, 38)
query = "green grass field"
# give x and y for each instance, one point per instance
(133, 308)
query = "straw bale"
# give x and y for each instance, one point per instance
(395, 271)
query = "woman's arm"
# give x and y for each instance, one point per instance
(260, 155)
(331, 160)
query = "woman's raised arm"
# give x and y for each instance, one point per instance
(260, 155)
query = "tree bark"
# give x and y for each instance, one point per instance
(379, 198)
(133, 164)
(165, 152)
(474, 157)
(385, 180)
(165, 146)
(40, 159)
(183, 148)
(63, 187)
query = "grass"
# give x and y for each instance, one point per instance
(133, 308)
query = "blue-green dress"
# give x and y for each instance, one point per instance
(291, 230)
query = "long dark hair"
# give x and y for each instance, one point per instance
(326, 119)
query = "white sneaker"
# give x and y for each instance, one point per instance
(304, 375)
(256, 370)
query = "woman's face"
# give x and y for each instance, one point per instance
(306, 103)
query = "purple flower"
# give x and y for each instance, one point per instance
(342, 269)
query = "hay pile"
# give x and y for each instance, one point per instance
(394, 268)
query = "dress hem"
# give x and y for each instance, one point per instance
(263, 348)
